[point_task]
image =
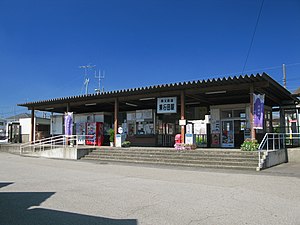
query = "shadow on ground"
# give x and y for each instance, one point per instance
(17, 208)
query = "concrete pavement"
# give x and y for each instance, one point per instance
(47, 191)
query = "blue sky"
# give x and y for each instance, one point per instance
(140, 43)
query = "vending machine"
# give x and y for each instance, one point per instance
(94, 134)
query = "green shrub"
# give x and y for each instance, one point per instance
(250, 145)
(126, 144)
(111, 135)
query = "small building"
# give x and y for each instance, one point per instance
(2, 129)
(213, 113)
(19, 128)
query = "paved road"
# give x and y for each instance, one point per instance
(46, 191)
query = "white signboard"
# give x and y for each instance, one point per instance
(189, 128)
(130, 116)
(182, 122)
(118, 140)
(167, 105)
(141, 115)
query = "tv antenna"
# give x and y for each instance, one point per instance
(86, 79)
(86, 83)
(100, 78)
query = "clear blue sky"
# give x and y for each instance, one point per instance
(140, 43)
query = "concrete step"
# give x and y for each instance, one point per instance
(203, 158)
(186, 157)
(172, 152)
(177, 160)
(183, 164)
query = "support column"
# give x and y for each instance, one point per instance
(116, 119)
(182, 114)
(282, 120)
(32, 138)
(253, 135)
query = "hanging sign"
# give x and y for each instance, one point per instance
(167, 105)
(258, 111)
(68, 123)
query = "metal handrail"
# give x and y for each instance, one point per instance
(271, 142)
(54, 142)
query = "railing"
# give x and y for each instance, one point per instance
(271, 142)
(292, 139)
(61, 141)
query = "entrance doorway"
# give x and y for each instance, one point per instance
(227, 138)
(166, 136)
(14, 132)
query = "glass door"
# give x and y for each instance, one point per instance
(227, 134)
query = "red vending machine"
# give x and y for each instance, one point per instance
(94, 132)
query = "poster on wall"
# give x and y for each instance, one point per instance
(215, 139)
(80, 131)
(68, 123)
(258, 111)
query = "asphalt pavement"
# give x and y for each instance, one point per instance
(46, 191)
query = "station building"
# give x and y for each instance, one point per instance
(214, 113)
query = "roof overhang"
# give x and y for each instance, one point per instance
(226, 90)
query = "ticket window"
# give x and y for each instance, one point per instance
(145, 128)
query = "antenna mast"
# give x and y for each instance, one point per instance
(86, 79)
(100, 78)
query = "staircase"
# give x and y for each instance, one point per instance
(208, 158)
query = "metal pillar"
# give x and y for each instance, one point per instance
(282, 120)
(116, 118)
(32, 138)
(182, 114)
(253, 134)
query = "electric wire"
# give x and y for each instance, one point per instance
(252, 39)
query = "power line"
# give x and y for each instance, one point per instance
(252, 39)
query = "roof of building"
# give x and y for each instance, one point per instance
(297, 91)
(19, 116)
(225, 90)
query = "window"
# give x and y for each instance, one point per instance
(226, 114)
(236, 113)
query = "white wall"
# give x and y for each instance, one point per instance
(56, 126)
(26, 125)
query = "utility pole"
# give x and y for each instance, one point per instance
(284, 75)
(86, 79)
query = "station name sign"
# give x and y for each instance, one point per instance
(167, 105)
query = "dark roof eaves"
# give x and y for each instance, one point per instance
(176, 85)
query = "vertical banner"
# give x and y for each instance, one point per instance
(258, 111)
(68, 123)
